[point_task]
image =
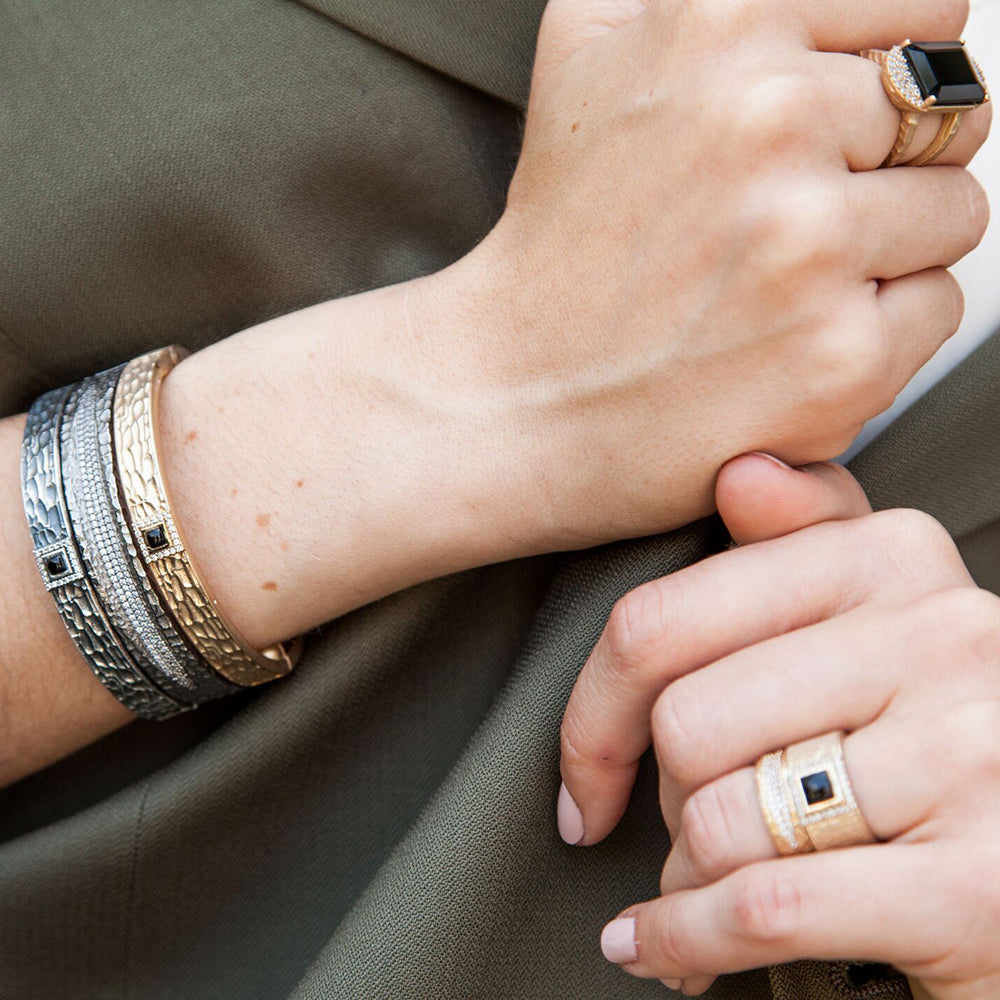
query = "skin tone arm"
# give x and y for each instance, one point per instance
(584, 372)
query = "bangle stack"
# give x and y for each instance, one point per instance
(112, 555)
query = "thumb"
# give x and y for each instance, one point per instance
(568, 25)
(760, 497)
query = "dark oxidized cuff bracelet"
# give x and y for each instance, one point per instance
(112, 555)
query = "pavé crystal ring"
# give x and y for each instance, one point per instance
(929, 77)
(806, 797)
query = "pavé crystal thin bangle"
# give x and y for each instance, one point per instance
(158, 537)
(109, 556)
(62, 570)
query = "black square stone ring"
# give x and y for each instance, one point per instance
(925, 78)
(806, 797)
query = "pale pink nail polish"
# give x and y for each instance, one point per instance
(569, 817)
(776, 461)
(618, 941)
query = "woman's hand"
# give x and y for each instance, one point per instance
(871, 625)
(698, 257)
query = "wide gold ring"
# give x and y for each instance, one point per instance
(924, 78)
(806, 797)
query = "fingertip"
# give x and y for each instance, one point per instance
(746, 472)
(760, 497)
(618, 941)
(569, 818)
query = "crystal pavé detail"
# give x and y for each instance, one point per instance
(778, 799)
(903, 78)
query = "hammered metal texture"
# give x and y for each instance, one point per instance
(104, 542)
(146, 501)
(76, 602)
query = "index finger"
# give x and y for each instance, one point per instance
(677, 624)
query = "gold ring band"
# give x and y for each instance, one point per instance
(807, 799)
(158, 537)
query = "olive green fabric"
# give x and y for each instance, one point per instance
(381, 824)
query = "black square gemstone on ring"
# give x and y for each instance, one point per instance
(156, 537)
(56, 565)
(944, 71)
(817, 787)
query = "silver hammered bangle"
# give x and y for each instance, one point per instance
(109, 555)
(61, 567)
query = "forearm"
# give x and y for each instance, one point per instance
(315, 462)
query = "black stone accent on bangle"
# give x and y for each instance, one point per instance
(156, 537)
(56, 565)
(944, 71)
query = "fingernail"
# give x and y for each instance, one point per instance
(776, 461)
(618, 941)
(569, 817)
(673, 984)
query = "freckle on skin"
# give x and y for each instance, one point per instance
(269, 585)
(299, 483)
(263, 520)
(576, 125)
(233, 491)
(191, 435)
(284, 546)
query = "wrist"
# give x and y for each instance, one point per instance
(329, 457)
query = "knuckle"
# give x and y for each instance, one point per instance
(849, 368)
(676, 725)
(766, 907)
(973, 617)
(774, 113)
(855, 356)
(910, 531)
(792, 227)
(967, 742)
(708, 833)
(636, 626)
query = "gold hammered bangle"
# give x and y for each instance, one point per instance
(158, 537)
